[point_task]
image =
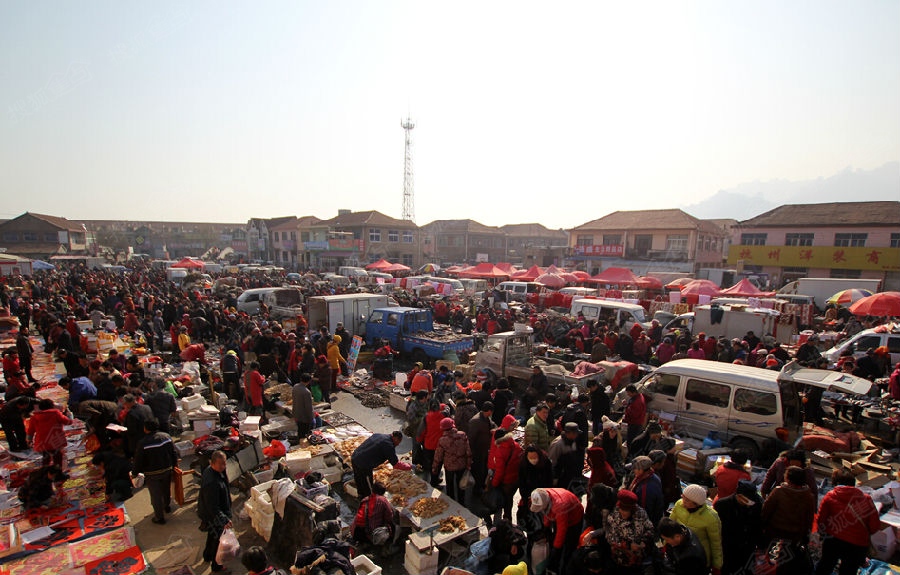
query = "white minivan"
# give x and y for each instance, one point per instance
(624, 314)
(518, 291)
(746, 406)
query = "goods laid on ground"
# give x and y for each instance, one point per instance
(452, 523)
(429, 507)
(346, 448)
(399, 482)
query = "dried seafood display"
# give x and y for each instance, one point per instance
(399, 482)
(429, 507)
(452, 523)
(315, 450)
(346, 448)
(281, 392)
(399, 500)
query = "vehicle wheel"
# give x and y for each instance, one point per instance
(749, 446)
(419, 355)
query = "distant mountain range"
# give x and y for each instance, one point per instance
(748, 200)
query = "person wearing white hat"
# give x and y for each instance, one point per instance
(563, 512)
(693, 511)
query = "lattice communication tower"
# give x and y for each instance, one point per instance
(409, 204)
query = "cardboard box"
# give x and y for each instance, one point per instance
(204, 426)
(423, 562)
(298, 461)
(251, 423)
(365, 566)
(192, 402)
(686, 463)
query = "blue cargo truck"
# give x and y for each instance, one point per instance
(412, 332)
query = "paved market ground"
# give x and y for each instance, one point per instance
(183, 522)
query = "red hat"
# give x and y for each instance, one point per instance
(771, 362)
(447, 423)
(321, 359)
(509, 422)
(626, 499)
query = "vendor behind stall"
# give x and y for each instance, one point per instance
(371, 453)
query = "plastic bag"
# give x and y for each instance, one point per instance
(467, 480)
(229, 547)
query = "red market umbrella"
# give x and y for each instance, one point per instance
(582, 276)
(745, 288)
(507, 267)
(484, 270)
(395, 268)
(884, 303)
(615, 276)
(552, 269)
(649, 282)
(189, 263)
(551, 280)
(528, 275)
(569, 277)
(679, 283)
(701, 287)
(379, 265)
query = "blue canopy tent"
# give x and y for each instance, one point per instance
(41, 265)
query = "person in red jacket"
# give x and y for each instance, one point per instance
(422, 381)
(430, 436)
(45, 428)
(504, 458)
(847, 519)
(635, 412)
(253, 388)
(563, 512)
(729, 473)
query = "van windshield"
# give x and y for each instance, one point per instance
(790, 404)
(638, 315)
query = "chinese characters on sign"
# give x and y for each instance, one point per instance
(600, 250)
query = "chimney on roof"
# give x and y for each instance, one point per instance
(344, 212)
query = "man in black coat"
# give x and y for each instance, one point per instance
(600, 405)
(155, 457)
(481, 429)
(137, 415)
(214, 507)
(740, 514)
(683, 553)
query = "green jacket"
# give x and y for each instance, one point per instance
(706, 525)
(536, 433)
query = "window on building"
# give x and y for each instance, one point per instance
(406, 259)
(51, 237)
(612, 239)
(846, 274)
(798, 239)
(407, 237)
(707, 244)
(29, 237)
(10, 237)
(443, 241)
(76, 237)
(294, 236)
(584, 241)
(850, 240)
(676, 243)
(753, 239)
(284, 257)
(304, 236)
(374, 235)
(394, 236)
(895, 240)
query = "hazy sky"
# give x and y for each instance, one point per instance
(551, 112)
